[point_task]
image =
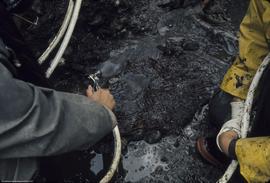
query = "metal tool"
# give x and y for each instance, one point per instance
(94, 80)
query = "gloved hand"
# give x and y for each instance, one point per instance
(237, 110)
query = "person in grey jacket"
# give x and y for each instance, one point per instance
(38, 122)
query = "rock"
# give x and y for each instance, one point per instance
(176, 144)
(166, 50)
(171, 47)
(176, 39)
(191, 3)
(164, 159)
(98, 20)
(191, 46)
(171, 4)
(109, 69)
(163, 30)
(77, 67)
(153, 137)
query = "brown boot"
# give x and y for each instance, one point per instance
(209, 151)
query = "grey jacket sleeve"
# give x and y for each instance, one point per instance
(38, 122)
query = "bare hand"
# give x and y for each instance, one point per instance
(225, 140)
(102, 96)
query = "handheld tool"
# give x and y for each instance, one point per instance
(94, 80)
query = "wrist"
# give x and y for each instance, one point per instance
(231, 150)
(236, 99)
(225, 139)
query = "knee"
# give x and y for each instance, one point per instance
(219, 108)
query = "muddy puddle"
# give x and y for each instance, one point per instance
(171, 160)
(162, 65)
(81, 167)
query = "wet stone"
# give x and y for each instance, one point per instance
(98, 20)
(171, 4)
(191, 46)
(153, 137)
(191, 3)
(176, 144)
(164, 159)
(163, 2)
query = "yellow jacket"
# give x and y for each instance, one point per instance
(253, 155)
(254, 44)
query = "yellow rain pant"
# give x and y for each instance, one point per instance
(254, 44)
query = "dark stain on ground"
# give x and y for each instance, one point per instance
(163, 65)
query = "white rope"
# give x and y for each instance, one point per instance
(245, 123)
(66, 39)
(116, 156)
(59, 35)
(68, 27)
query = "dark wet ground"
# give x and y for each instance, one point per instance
(163, 66)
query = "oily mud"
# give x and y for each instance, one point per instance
(162, 61)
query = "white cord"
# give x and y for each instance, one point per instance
(66, 39)
(72, 20)
(245, 123)
(59, 35)
(116, 156)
